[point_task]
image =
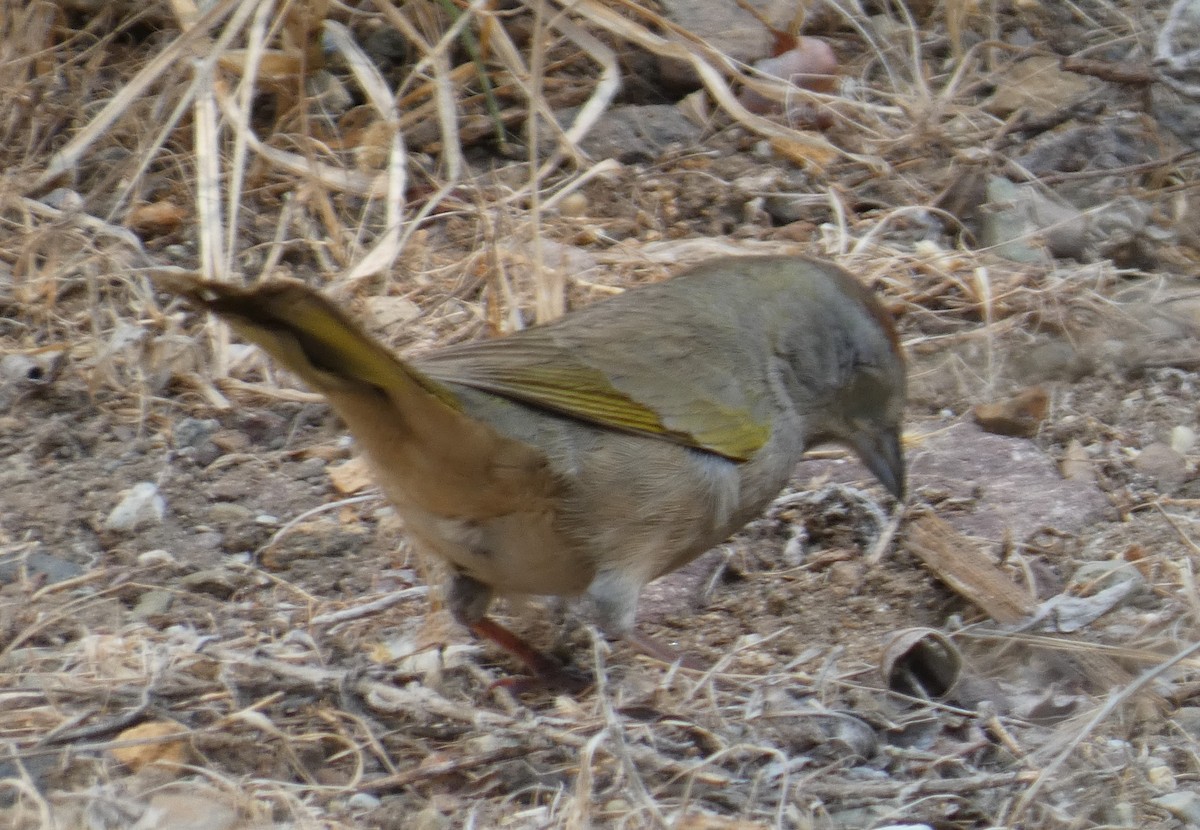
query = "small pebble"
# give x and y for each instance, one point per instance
(227, 513)
(1182, 805)
(192, 432)
(430, 818)
(153, 604)
(1161, 778)
(63, 198)
(199, 810)
(1183, 439)
(37, 564)
(158, 556)
(363, 801)
(17, 367)
(573, 204)
(311, 468)
(1163, 464)
(140, 505)
(1187, 718)
(215, 582)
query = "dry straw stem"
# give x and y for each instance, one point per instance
(390, 187)
(69, 156)
(412, 698)
(257, 39)
(1116, 699)
(705, 60)
(366, 609)
(383, 254)
(550, 290)
(217, 232)
(550, 295)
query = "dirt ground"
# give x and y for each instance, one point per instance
(187, 550)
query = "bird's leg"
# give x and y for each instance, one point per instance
(615, 596)
(468, 599)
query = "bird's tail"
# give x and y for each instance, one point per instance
(424, 448)
(306, 333)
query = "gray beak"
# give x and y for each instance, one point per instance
(881, 452)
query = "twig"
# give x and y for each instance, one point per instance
(1131, 74)
(72, 736)
(307, 514)
(366, 609)
(1115, 699)
(851, 792)
(400, 780)
(884, 541)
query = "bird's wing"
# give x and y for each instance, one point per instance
(603, 389)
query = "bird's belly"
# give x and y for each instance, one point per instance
(518, 553)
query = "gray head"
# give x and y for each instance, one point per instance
(847, 350)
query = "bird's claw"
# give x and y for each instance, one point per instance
(563, 680)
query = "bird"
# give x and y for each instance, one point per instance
(595, 453)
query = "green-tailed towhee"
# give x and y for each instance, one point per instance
(599, 452)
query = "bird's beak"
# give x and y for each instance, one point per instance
(880, 450)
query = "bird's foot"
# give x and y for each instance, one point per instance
(651, 647)
(546, 673)
(564, 680)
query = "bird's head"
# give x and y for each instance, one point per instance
(868, 417)
(864, 381)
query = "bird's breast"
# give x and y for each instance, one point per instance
(517, 553)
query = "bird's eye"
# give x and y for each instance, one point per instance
(868, 391)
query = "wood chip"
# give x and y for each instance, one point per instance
(159, 743)
(1076, 464)
(960, 563)
(1019, 416)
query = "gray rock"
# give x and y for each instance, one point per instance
(1176, 98)
(192, 432)
(723, 25)
(153, 604)
(227, 513)
(1183, 805)
(1165, 466)
(1008, 484)
(216, 582)
(35, 563)
(633, 134)
(1016, 217)
(1187, 718)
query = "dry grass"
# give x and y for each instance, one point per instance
(134, 138)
